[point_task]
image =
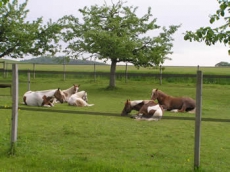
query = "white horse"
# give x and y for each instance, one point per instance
(69, 91)
(79, 99)
(41, 98)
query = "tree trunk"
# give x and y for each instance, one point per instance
(112, 81)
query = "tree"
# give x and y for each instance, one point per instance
(19, 37)
(213, 35)
(3, 2)
(117, 34)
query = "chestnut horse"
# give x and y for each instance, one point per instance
(169, 103)
(147, 109)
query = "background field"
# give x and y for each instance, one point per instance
(97, 138)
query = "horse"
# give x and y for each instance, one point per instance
(47, 101)
(36, 98)
(133, 105)
(176, 104)
(79, 99)
(150, 111)
(69, 91)
(147, 109)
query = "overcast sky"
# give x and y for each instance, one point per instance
(191, 14)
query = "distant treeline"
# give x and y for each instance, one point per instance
(60, 60)
(222, 64)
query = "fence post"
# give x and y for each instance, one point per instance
(14, 124)
(28, 74)
(160, 75)
(64, 70)
(126, 73)
(198, 119)
(34, 69)
(4, 69)
(94, 70)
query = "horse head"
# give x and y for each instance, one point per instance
(154, 95)
(75, 88)
(85, 97)
(59, 95)
(127, 108)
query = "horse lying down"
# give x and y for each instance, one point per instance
(79, 99)
(68, 92)
(174, 104)
(43, 98)
(147, 109)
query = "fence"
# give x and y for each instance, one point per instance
(124, 75)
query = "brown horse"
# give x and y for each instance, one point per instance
(147, 109)
(181, 104)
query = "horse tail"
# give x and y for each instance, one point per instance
(90, 104)
(24, 100)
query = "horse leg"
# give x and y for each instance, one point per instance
(183, 108)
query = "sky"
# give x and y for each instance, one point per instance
(191, 14)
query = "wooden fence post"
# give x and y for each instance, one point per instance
(14, 124)
(34, 69)
(160, 75)
(126, 72)
(4, 69)
(64, 70)
(28, 74)
(94, 70)
(198, 119)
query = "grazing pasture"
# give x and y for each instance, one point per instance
(97, 138)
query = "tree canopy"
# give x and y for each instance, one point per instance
(3, 2)
(117, 34)
(19, 37)
(213, 35)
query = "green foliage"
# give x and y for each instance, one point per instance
(222, 64)
(59, 60)
(19, 37)
(3, 2)
(212, 35)
(116, 33)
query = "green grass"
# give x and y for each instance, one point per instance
(97, 138)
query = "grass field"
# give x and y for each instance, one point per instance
(97, 138)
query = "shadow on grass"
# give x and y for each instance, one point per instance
(111, 114)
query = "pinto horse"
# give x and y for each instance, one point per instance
(147, 109)
(150, 111)
(47, 101)
(133, 105)
(177, 104)
(40, 98)
(79, 99)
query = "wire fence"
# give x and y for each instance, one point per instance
(90, 72)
